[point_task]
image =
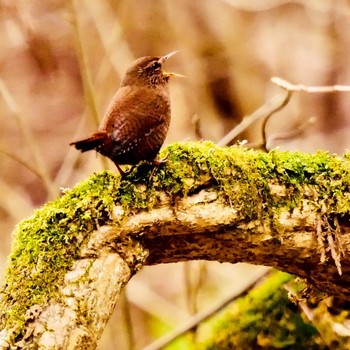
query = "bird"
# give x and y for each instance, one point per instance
(137, 120)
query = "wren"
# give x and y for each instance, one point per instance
(137, 120)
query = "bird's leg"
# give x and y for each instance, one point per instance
(157, 163)
(121, 172)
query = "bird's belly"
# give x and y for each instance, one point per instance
(145, 147)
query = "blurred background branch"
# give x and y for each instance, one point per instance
(229, 50)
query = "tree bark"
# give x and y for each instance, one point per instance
(72, 258)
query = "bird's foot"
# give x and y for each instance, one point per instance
(157, 163)
(160, 161)
(126, 172)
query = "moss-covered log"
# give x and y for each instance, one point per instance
(71, 259)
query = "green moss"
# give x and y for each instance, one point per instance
(240, 175)
(46, 245)
(233, 172)
(329, 174)
(243, 176)
(264, 319)
(158, 329)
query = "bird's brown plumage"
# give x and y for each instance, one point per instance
(137, 121)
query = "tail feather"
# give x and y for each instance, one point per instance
(94, 141)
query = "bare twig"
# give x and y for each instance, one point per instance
(283, 135)
(116, 48)
(87, 85)
(267, 117)
(127, 321)
(195, 121)
(21, 161)
(267, 5)
(265, 111)
(39, 164)
(204, 315)
(286, 85)
(84, 71)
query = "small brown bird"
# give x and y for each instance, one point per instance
(137, 120)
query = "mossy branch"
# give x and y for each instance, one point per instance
(71, 259)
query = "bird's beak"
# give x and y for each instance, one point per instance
(166, 57)
(171, 74)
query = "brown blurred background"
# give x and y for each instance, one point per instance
(61, 62)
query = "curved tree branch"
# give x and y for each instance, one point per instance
(72, 258)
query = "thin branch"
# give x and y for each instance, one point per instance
(264, 112)
(267, 117)
(125, 305)
(30, 140)
(196, 123)
(21, 161)
(276, 104)
(268, 5)
(286, 85)
(84, 71)
(86, 79)
(200, 317)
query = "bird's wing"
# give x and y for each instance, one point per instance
(131, 117)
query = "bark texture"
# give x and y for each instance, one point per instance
(72, 258)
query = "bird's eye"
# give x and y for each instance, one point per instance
(155, 65)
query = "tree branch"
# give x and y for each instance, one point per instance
(72, 258)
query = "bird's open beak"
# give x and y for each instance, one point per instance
(166, 57)
(171, 74)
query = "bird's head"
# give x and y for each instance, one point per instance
(148, 71)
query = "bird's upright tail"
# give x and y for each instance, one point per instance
(94, 141)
